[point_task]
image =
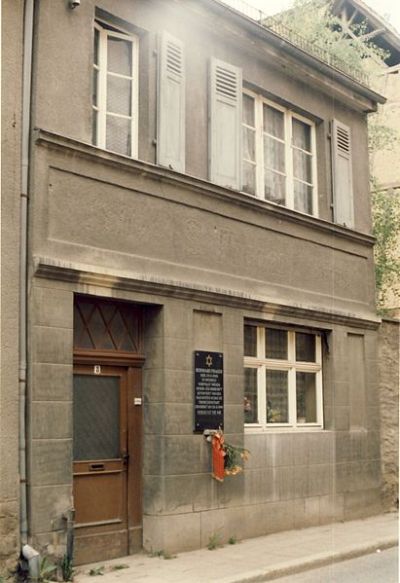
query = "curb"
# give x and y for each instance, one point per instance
(321, 560)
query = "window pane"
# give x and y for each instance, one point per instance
(119, 96)
(94, 128)
(274, 187)
(118, 135)
(276, 344)
(306, 397)
(301, 135)
(96, 417)
(274, 122)
(119, 56)
(305, 347)
(95, 86)
(248, 110)
(302, 165)
(274, 154)
(249, 178)
(249, 150)
(250, 396)
(303, 197)
(277, 396)
(250, 341)
(96, 47)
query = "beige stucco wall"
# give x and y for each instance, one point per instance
(9, 319)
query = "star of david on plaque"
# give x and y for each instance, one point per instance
(209, 361)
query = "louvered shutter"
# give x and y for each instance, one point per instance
(343, 204)
(225, 124)
(171, 104)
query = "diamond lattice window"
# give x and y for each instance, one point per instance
(102, 325)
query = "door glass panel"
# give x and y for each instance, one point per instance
(96, 417)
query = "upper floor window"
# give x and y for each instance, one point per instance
(283, 378)
(115, 90)
(279, 162)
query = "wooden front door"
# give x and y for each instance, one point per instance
(100, 463)
(107, 420)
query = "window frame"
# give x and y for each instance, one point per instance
(288, 117)
(262, 364)
(107, 30)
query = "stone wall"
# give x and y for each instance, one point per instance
(389, 342)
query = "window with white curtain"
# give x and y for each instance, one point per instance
(279, 160)
(115, 90)
(283, 378)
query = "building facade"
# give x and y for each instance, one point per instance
(384, 169)
(386, 80)
(197, 183)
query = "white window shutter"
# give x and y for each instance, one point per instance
(225, 124)
(342, 175)
(171, 104)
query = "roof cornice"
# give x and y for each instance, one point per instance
(290, 48)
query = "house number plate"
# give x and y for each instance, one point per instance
(97, 369)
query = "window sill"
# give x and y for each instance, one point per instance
(252, 430)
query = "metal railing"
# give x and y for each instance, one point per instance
(272, 23)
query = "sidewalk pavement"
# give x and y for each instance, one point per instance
(258, 559)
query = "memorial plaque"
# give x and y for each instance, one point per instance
(208, 390)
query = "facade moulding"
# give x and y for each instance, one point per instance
(78, 274)
(157, 173)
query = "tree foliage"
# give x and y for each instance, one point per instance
(386, 218)
(314, 21)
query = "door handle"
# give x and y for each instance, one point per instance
(125, 458)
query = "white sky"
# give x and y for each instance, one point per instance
(389, 9)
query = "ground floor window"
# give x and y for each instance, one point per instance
(283, 377)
